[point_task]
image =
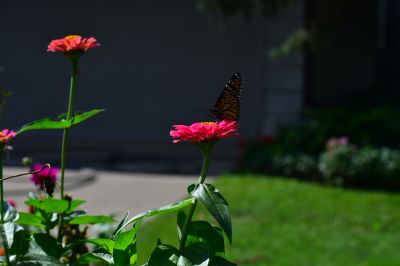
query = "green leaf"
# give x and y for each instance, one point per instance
(198, 254)
(45, 123)
(61, 123)
(75, 204)
(95, 257)
(164, 255)
(20, 245)
(48, 244)
(119, 226)
(80, 117)
(166, 209)
(124, 239)
(38, 259)
(219, 261)
(216, 205)
(105, 243)
(203, 232)
(49, 205)
(30, 219)
(91, 219)
(124, 252)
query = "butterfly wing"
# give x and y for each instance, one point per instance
(227, 106)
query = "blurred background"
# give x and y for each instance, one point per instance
(163, 63)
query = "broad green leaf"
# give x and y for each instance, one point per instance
(105, 243)
(203, 232)
(219, 261)
(30, 219)
(48, 244)
(124, 252)
(124, 239)
(95, 257)
(38, 259)
(166, 209)
(198, 254)
(215, 204)
(91, 219)
(45, 123)
(80, 117)
(20, 245)
(164, 255)
(75, 204)
(49, 205)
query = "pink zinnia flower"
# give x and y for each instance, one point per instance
(204, 131)
(72, 43)
(47, 173)
(6, 135)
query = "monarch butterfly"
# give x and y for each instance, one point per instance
(227, 106)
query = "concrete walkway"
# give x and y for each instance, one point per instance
(108, 192)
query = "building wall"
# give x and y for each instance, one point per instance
(284, 76)
(160, 63)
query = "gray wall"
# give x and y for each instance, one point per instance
(160, 63)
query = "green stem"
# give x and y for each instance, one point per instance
(204, 171)
(5, 244)
(74, 76)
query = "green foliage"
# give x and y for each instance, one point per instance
(345, 163)
(91, 219)
(216, 205)
(61, 123)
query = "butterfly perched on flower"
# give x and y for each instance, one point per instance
(227, 106)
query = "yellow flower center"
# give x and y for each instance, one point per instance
(208, 123)
(72, 36)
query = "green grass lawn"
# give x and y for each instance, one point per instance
(285, 222)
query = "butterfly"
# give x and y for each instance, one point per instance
(227, 106)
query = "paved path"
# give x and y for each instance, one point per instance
(108, 192)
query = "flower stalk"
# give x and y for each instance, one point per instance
(74, 76)
(206, 149)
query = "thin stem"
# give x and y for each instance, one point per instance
(74, 76)
(5, 244)
(203, 175)
(27, 173)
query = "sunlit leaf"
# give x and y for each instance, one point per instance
(80, 117)
(215, 204)
(91, 219)
(30, 219)
(163, 210)
(49, 205)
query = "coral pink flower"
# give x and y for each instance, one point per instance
(72, 43)
(47, 173)
(204, 131)
(6, 135)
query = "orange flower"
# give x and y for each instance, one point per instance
(204, 131)
(2, 252)
(72, 43)
(6, 135)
